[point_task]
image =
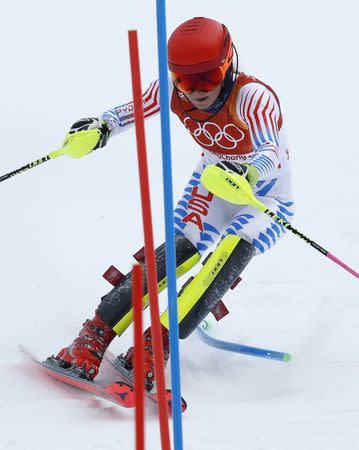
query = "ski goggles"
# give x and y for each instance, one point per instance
(204, 82)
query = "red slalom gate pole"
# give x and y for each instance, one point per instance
(151, 271)
(137, 296)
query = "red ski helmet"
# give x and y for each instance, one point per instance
(200, 52)
(199, 45)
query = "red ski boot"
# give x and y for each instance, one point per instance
(85, 353)
(149, 374)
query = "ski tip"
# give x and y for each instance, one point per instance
(169, 402)
(287, 357)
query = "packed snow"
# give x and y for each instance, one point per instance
(64, 222)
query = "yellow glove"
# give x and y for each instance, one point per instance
(249, 172)
(84, 136)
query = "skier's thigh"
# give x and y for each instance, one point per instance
(200, 216)
(256, 227)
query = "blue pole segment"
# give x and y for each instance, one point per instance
(244, 349)
(169, 226)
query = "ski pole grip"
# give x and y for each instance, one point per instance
(56, 153)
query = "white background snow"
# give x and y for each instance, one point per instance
(65, 222)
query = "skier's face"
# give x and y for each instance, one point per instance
(204, 100)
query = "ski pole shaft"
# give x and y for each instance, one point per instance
(234, 188)
(31, 165)
(76, 145)
(309, 241)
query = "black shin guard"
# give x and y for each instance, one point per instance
(116, 307)
(200, 294)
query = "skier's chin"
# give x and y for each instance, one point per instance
(203, 103)
(204, 100)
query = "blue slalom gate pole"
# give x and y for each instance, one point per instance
(169, 224)
(239, 348)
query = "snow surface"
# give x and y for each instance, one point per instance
(66, 221)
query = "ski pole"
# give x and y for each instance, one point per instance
(76, 145)
(236, 189)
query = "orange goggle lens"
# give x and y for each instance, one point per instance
(204, 82)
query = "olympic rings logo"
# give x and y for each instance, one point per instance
(209, 134)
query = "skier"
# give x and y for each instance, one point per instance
(237, 121)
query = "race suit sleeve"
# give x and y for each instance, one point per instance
(122, 117)
(259, 109)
